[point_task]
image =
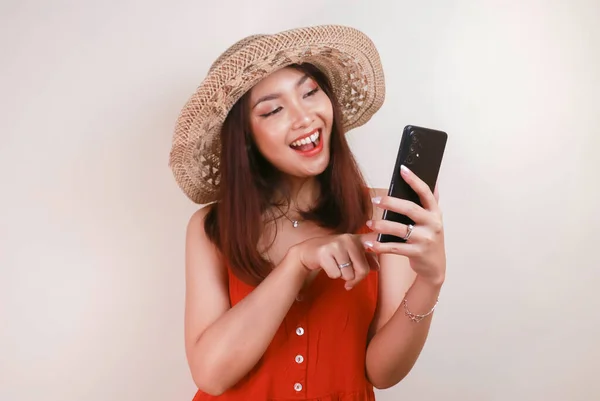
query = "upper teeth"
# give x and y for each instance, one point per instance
(306, 140)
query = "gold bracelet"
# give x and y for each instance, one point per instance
(414, 317)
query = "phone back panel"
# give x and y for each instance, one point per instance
(421, 150)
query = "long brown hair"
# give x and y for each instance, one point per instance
(248, 184)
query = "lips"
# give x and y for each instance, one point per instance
(308, 145)
(307, 142)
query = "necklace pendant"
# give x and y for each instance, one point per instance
(295, 223)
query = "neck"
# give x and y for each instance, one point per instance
(303, 193)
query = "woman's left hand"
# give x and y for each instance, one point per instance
(425, 247)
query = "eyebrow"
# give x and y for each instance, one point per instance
(277, 95)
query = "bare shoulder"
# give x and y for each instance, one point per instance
(198, 217)
(205, 279)
(197, 241)
(200, 252)
(378, 191)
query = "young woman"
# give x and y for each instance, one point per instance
(288, 294)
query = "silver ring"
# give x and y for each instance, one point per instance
(345, 265)
(409, 231)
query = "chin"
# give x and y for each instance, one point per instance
(310, 168)
(317, 170)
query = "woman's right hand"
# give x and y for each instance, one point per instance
(340, 256)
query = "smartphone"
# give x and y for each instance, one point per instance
(421, 150)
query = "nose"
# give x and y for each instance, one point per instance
(302, 117)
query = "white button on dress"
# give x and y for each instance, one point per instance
(300, 331)
(298, 387)
(299, 359)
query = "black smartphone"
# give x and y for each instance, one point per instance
(421, 150)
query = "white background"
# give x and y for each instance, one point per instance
(92, 223)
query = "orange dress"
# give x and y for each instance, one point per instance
(318, 352)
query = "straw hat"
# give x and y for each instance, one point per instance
(347, 57)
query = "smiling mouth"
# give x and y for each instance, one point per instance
(308, 143)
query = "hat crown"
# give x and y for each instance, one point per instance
(240, 44)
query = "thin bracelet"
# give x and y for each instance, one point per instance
(417, 318)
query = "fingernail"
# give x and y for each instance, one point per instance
(404, 169)
(369, 223)
(369, 244)
(348, 287)
(376, 200)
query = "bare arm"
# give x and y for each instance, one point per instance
(224, 343)
(397, 341)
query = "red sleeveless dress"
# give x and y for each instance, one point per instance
(318, 352)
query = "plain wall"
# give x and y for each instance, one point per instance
(92, 224)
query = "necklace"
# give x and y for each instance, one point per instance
(295, 223)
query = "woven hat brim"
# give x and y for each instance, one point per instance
(347, 57)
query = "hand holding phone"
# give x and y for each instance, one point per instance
(421, 150)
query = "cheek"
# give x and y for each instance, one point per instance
(326, 111)
(265, 136)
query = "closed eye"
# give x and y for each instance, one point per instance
(277, 110)
(312, 92)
